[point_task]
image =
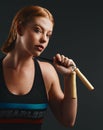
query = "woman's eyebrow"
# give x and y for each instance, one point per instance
(38, 25)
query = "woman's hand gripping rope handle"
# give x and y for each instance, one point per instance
(73, 78)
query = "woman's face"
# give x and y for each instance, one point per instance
(36, 35)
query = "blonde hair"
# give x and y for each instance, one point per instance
(22, 17)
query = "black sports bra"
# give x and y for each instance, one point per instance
(23, 111)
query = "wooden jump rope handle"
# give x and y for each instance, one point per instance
(73, 85)
(83, 79)
(78, 73)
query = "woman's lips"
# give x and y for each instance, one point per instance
(39, 47)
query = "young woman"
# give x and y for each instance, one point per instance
(28, 85)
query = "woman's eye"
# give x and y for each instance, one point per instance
(49, 36)
(37, 30)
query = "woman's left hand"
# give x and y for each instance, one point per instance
(63, 64)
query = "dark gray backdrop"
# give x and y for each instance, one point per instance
(78, 34)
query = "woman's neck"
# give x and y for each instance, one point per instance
(16, 60)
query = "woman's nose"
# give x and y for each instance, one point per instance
(43, 39)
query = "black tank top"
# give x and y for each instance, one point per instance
(23, 112)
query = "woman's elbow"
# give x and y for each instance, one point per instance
(68, 123)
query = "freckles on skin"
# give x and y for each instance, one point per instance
(44, 23)
(44, 28)
(36, 34)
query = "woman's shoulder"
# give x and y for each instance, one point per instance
(46, 66)
(49, 74)
(48, 69)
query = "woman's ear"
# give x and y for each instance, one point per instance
(20, 29)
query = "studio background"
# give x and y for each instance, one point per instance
(78, 34)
